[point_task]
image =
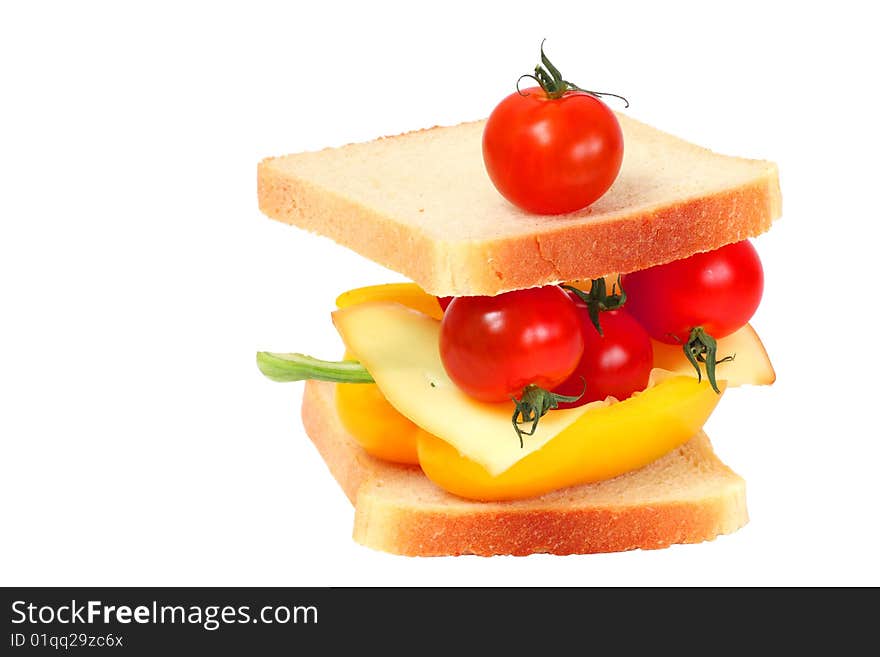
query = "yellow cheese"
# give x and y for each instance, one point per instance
(751, 364)
(400, 349)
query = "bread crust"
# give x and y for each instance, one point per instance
(688, 496)
(638, 240)
(504, 249)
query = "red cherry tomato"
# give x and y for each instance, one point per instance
(718, 290)
(617, 363)
(492, 347)
(444, 302)
(551, 156)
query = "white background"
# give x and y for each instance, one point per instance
(140, 445)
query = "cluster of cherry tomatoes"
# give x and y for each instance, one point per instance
(553, 149)
(493, 347)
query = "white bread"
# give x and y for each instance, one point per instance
(687, 496)
(422, 204)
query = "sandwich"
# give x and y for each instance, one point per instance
(541, 384)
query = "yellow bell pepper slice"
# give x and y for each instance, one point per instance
(365, 413)
(375, 424)
(407, 294)
(603, 443)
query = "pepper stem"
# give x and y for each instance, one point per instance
(299, 367)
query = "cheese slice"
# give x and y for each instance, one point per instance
(750, 366)
(400, 348)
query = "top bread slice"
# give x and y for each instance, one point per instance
(422, 204)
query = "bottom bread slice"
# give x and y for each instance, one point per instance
(687, 496)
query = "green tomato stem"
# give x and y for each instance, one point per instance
(702, 348)
(534, 404)
(299, 367)
(554, 85)
(598, 299)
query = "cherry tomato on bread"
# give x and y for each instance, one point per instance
(552, 155)
(492, 347)
(555, 148)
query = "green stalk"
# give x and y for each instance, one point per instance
(702, 348)
(553, 84)
(299, 367)
(598, 299)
